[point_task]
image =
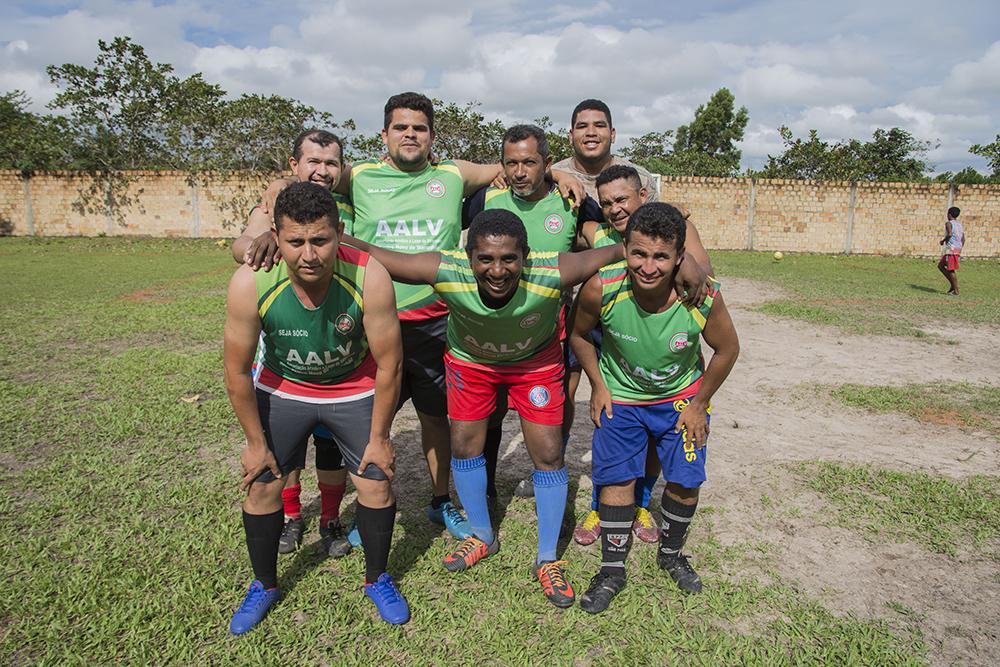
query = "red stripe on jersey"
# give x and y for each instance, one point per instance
(361, 381)
(548, 357)
(428, 312)
(686, 392)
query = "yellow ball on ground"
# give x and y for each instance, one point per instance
(778, 256)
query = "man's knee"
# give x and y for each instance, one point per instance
(264, 497)
(374, 493)
(681, 494)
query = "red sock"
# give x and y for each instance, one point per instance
(330, 496)
(290, 499)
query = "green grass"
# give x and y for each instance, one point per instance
(945, 516)
(952, 404)
(120, 538)
(869, 295)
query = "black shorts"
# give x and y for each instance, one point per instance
(287, 424)
(424, 345)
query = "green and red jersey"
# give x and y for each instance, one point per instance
(649, 357)
(408, 212)
(522, 330)
(318, 355)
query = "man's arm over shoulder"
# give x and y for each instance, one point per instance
(576, 267)
(413, 268)
(588, 217)
(476, 176)
(240, 343)
(253, 246)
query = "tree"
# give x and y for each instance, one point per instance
(652, 151)
(560, 147)
(28, 141)
(992, 153)
(967, 176)
(129, 113)
(891, 155)
(707, 146)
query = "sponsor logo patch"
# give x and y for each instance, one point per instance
(679, 341)
(435, 188)
(539, 396)
(345, 323)
(530, 320)
(553, 224)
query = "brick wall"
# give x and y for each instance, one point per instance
(731, 213)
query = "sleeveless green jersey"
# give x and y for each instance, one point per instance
(648, 357)
(523, 327)
(346, 212)
(409, 212)
(314, 346)
(550, 221)
(606, 235)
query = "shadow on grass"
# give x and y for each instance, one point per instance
(924, 288)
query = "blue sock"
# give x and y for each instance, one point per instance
(644, 490)
(595, 497)
(470, 482)
(551, 487)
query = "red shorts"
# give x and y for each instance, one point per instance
(950, 262)
(535, 387)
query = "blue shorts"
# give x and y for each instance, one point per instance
(619, 446)
(572, 363)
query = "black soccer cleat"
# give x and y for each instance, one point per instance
(680, 571)
(603, 587)
(291, 536)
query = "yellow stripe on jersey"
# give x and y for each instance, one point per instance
(490, 194)
(541, 289)
(455, 287)
(349, 288)
(451, 168)
(262, 310)
(358, 168)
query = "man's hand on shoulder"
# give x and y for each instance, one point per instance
(570, 187)
(272, 192)
(262, 252)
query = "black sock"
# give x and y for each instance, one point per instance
(437, 501)
(674, 521)
(616, 536)
(492, 452)
(375, 526)
(263, 532)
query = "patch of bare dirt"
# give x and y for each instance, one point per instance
(147, 296)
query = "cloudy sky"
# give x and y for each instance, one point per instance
(843, 68)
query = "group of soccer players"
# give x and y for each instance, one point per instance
(355, 296)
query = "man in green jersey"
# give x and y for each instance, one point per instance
(620, 192)
(552, 225)
(332, 354)
(503, 331)
(650, 383)
(317, 157)
(407, 203)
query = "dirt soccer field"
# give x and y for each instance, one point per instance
(852, 512)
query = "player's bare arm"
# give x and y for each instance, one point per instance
(575, 267)
(385, 342)
(416, 269)
(720, 334)
(477, 176)
(693, 279)
(586, 315)
(256, 246)
(240, 343)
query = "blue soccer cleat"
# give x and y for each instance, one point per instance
(391, 604)
(451, 518)
(254, 608)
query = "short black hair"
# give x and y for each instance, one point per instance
(305, 202)
(954, 212)
(617, 171)
(321, 137)
(658, 220)
(517, 133)
(497, 222)
(412, 101)
(594, 105)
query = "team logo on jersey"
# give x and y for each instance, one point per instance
(539, 396)
(553, 224)
(679, 341)
(345, 323)
(531, 320)
(435, 188)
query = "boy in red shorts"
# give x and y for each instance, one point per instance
(953, 241)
